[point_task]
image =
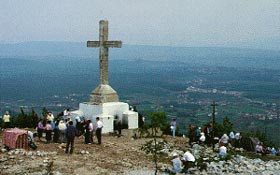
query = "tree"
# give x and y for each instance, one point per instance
(227, 124)
(35, 118)
(44, 112)
(225, 128)
(157, 122)
(23, 120)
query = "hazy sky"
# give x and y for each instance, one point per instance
(153, 22)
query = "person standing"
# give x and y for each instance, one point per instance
(87, 133)
(79, 126)
(117, 126)
(50, 118)
(40, 129)
(6, 119)
(66, 114)
(99, 129)
(173, 127)
(48, 131)
(197, 134)
(90, 128)
(208, 133)
(62, 131)
(191, 133)
(56, 132)
(70, 135)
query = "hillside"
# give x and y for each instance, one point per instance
(122, 155)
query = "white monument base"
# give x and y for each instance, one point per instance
(107, 113)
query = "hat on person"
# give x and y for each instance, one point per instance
(174, 155)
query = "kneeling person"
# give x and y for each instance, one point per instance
(177, 165)
(31, 143)
(188, 160)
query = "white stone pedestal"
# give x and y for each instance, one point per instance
(107, 113)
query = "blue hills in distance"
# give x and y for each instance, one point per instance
(210, 56)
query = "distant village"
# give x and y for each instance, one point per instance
(271, 109)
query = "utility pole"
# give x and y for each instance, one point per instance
(213, 122)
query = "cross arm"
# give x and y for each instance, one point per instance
(93, 43)
(107, 44)
(117, 44)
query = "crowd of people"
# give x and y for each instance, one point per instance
(205, 136)
(62, 129)
(260, 149)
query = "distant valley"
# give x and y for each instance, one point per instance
(180, 81)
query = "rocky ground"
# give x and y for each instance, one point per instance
(116, 155)
(122, 155)
(208, 162)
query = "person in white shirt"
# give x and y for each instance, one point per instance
(202, 138)
(99, 129)
(224, 140)
(188, 159)
(90, 129)
(222, 151)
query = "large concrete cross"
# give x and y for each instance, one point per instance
(103, 45)
(103, 93)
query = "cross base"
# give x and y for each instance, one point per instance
(103, 93)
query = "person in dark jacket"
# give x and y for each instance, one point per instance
(70, 135)
(56, 132)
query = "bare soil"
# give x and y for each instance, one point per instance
(116, 155)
